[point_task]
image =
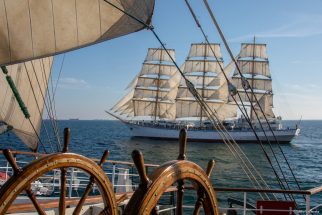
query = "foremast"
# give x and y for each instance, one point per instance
(152, 92)
(202, 68)
(254, 66)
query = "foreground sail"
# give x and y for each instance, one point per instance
(31, 81)
(37, 28)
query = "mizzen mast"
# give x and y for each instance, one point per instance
(254, 65)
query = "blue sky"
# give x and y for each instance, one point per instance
(94, 78)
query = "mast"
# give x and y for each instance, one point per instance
(252, 82)
(152, 93)
(158, 89)
(254, 65)
(203, 82)
(203, 70)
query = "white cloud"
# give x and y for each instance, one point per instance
(72, 83)
(305, 25)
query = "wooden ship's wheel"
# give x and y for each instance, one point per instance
(22, 179)
(146, 197)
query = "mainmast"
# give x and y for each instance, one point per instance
(202, 68)
(158, 89)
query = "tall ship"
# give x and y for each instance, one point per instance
(159, 103)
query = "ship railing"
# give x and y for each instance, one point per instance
(307, 209)
(122, 169)
(122, 175)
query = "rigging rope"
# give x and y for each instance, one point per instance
(51, 109)
(238, 69)
(21, 103)
(44, 99)
(189, 84)
(233, 89)
(42, 122)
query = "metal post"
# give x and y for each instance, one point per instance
(54, 172)
(7, 170)
(71, 183)
(245, 201)
(307, 205)
(113, 176)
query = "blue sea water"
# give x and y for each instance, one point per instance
(91, 138)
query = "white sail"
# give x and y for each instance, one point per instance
(160, 55)
(205, 72)
(256, 72)
(266, 104)
(253, 67)
(250, 50)
(31, 81)
(158, 69)
(201, 66)
(37, 28)
(205, 50)
(123, 101)
(154, 89)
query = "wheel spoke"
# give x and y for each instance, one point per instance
(89, 186)
(62, 198)
(155, 211)
(199, 202)
(180, 187)
(84, 196)
(105, 211)
(34, 201)
(200, 192)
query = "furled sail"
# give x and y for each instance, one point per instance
(202, 68)
(31, 81)
(37, 28)
(253, 64)
(154, 89)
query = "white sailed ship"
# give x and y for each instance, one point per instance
(159, 103)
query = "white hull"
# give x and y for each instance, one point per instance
(283, 136)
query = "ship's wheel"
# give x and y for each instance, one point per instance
(22, 178)
(176, 172)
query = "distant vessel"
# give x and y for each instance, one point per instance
(159, 103)
(74, 119)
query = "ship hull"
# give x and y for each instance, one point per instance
(282, 136)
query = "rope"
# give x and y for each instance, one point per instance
(189, 84)
(54, 122)
(40, 114)
(21, 103)
(43, 97)
(238, 69)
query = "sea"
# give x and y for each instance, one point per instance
(304, 154)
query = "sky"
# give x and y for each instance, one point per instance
(94, 78)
